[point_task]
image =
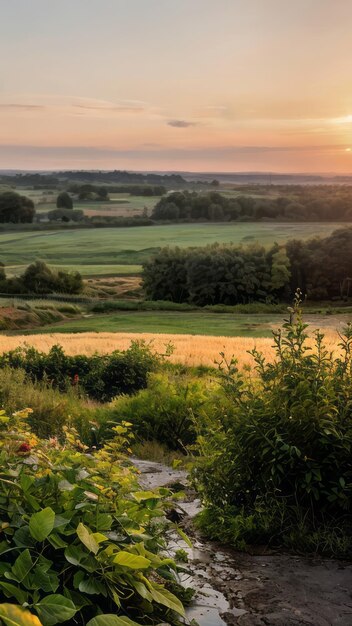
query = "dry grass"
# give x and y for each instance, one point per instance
(188, 349)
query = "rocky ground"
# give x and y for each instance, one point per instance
(255, 590)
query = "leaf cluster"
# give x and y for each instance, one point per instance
(80, 544)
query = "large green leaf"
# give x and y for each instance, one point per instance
(13, 591)
(55, 609)
(13, 615)
(111, 620)
(87, 538)
(21, 567)
(142, 496)
(165, 597)
(133, 561)
(42, 523)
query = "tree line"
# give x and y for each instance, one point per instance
(230, 275)
(98, 192)
(311, 203)
(38, 278)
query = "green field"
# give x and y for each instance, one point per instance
(119, 204)
(190, 323)
(89, 250)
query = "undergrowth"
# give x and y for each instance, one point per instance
(278, 468)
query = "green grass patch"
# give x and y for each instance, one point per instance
(190, 323)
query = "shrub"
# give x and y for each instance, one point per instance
(278, 469)
(78, 538)
(166, 411)
(100, 377)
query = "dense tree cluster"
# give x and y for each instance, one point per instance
(227, 274)
(117, 176)
(123, 177)
(15, 208)
(38, 278)
(289, 203)
(98, 192)
(65, 215)
(217, 274)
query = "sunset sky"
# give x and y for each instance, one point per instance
(197, 85)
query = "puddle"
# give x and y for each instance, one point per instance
(203, 561)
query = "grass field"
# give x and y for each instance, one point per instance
(192, 323)
(118, 205)
(86, 270)
(88, 250)
(188, 322)
(188, 349)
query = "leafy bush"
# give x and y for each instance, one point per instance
(101, 377)
(166, 411)
(279, 469)
(79, 543)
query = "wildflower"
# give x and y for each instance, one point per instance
(24, 448)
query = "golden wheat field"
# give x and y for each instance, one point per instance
(188, 349)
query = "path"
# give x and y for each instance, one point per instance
(266, 590)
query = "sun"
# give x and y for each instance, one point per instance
(348, 150)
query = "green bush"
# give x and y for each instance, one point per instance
(278, 469)
(100, 377)
(165, 412)
(78, 538)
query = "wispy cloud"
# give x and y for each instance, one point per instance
(180, 123)
(15, 106)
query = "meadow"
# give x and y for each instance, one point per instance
(192, 323)
(92, 251)
(190, 350)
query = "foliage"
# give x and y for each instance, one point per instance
(79, 542)
(64, 201)
(212, 275)
(166, 410)
(65, 214)
(230, 275)
(40, 279)
(16, 208)
(278, 467)
(51, 409)
(322, 268)
(100, 377)
(288, 203)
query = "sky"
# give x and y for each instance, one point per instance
(180, 85)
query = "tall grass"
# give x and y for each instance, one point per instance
(50, 409)
(188, 349)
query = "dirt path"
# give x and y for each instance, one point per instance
(267, 590)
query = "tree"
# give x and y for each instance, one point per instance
(39, 278)
(15, 208)
(65, 215)
(64, 201)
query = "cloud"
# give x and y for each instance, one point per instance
(123, 106)
(15, 106)
(71, 105)
(180, 124)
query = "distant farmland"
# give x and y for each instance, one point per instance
(91, 251)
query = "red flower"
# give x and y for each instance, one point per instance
(24, 447)
(75, 379)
